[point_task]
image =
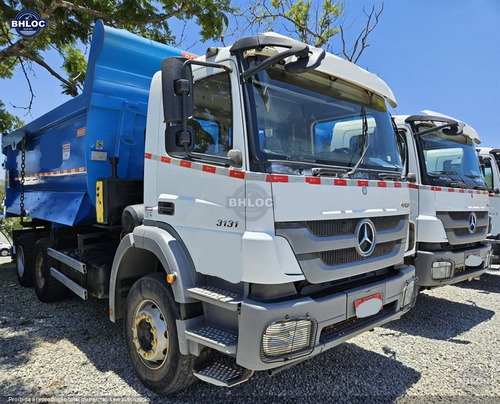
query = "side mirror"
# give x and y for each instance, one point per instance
(235, 158)
(454, 130)
(411, 177)
(177, 88)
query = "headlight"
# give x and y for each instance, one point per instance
(441, 269)
(287, 337)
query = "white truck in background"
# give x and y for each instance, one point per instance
(449, 200)
(490, 164)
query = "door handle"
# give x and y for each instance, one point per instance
(166, 208)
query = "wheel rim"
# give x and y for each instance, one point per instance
(40, 280)
(150, 334)
(4, 254)
(20, 261)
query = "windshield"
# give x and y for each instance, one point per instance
(312, 120)
(449, 160)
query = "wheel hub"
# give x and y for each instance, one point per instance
(150, 334)
(20, 261)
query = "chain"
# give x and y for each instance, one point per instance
(23, 167)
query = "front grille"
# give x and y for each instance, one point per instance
(345, 256)
(464, 215)
(326, 248)
(463, 232)
(331, 228)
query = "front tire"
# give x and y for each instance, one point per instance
(151, 336)
(25, 259)
(47, 288)
(4, 252)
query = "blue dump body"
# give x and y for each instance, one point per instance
(68, 149)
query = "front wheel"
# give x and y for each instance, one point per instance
(151, 336)
(4, 252)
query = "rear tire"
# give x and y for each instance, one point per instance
(25, 258)
(47, 288)
(4, 252)
(151, 336)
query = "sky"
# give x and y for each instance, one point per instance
(441, 55)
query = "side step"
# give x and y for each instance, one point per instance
(217, 296)
(223, 375)
(215, 338)
(70, 284)
(66, 259)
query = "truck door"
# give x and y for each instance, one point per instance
(200, 199)
(491, 177)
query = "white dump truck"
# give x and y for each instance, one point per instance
(242, 211)
(490, 164)
(449, 199)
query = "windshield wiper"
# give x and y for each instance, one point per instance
(390, 176)
(319, 171)
(365, 144)
(478, 186)
(453, 184)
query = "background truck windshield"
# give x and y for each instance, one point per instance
(449, 160)
(318, 120)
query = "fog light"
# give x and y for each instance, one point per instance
(286, 337)
(409, 292)
(441, 269)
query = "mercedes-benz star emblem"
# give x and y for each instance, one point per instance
(472, 223)
(365, 231)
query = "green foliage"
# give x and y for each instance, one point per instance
(70, 23)
(316, 22)
(312, 21)
(8, 122)
(7, 226)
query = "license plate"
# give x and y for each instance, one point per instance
(368, 306)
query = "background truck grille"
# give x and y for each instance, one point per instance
(456, 226)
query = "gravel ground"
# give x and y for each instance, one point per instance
(445, 349)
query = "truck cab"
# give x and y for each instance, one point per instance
(449, 200)
(272, 218)
(490, 165)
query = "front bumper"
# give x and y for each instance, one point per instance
(334, 315)
(460, 271)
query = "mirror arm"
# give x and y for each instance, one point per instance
(435, 128)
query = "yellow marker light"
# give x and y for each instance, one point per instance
(171, 278)
(153, 330)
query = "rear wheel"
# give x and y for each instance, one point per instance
(47, 288)
(25, 259)
(4, 252)
(151, 336)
